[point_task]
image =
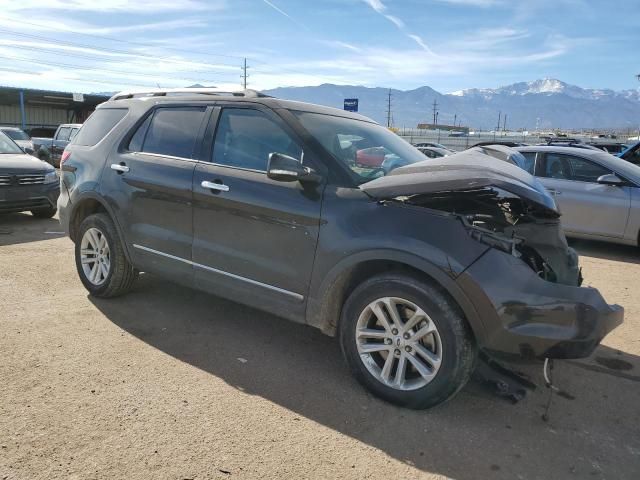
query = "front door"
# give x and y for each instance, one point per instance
(150, 182)
(587, 207)
(254, 238)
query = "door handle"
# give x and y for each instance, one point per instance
(119, 168)
(220, 187)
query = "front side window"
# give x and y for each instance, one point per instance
(367, 149)
(173, 131)
(568, 167)
(246, 137)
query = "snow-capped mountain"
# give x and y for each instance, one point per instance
(548, 102)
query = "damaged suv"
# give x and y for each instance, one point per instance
(416, 268)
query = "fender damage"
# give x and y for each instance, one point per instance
(526, 287)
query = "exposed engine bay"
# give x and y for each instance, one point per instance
(509, 223)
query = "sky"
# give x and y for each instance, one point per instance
(109, 45)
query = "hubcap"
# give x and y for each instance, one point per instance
(398, 343)
(95, 256)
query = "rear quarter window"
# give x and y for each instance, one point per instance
(98, 125)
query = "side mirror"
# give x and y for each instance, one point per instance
(284, 168)
(29, 150)
(610, 179)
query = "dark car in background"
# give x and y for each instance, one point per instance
(263, 201)
(19, 137)
(50, 149)
(26, 182)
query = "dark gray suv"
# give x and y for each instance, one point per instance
(271, 203)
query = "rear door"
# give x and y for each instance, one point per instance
(149, 179)
(62, 137)
(587, 207)
(254, 238)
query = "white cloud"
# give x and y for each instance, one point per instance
(111, 5)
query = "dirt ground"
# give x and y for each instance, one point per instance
(168, 383)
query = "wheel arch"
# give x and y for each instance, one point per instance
(89, 204)
(325, 307)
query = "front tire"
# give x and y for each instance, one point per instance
(100, 259)
(406, 341)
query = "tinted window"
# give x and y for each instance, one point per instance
(572, 168)
(63, 134)
(98, 125)
(245, 138)
(173, 131)
(530, 161)
(135, 144)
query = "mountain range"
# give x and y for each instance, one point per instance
(546, 103)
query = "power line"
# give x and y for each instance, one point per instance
(107, 50)
(90, 57)
(131, 42)
(93, 69)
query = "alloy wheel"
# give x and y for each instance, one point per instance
(95, 256)
(398, 343)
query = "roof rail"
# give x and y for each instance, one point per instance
(165, 92)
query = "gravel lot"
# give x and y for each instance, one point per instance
(172, 383)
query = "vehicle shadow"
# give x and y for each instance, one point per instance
(23, 227)
(606, 251)
(593, 420)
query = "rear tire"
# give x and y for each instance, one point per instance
(100, 259)
(44, 212)
(425, 369)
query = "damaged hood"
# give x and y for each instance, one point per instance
(466, 170)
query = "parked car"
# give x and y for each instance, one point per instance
(612, 148)
(260, 200)
(50, 149)
(26, 183)
(435, 152)
(432, 145)
(631, 154)
(569, 142)
(597, 193)
(19, 137)
(504, 143)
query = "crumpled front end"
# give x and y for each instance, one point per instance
(526, 287)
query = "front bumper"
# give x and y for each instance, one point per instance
(526, 317)
(28, 197)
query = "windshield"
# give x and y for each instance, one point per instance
(8, 146)
(367, 149)
(15, 134)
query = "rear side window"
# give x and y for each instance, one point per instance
(171, 131)
(98, 125)
(64, 133)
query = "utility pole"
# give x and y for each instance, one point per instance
(455, 117)
(504, 123)
(499, 117)
(389, 109)
(435, 111)
(244, 74)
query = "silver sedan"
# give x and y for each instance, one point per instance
(598, 194)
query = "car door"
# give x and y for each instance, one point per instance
(254, 237)
(587, 207)
(149, 179)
